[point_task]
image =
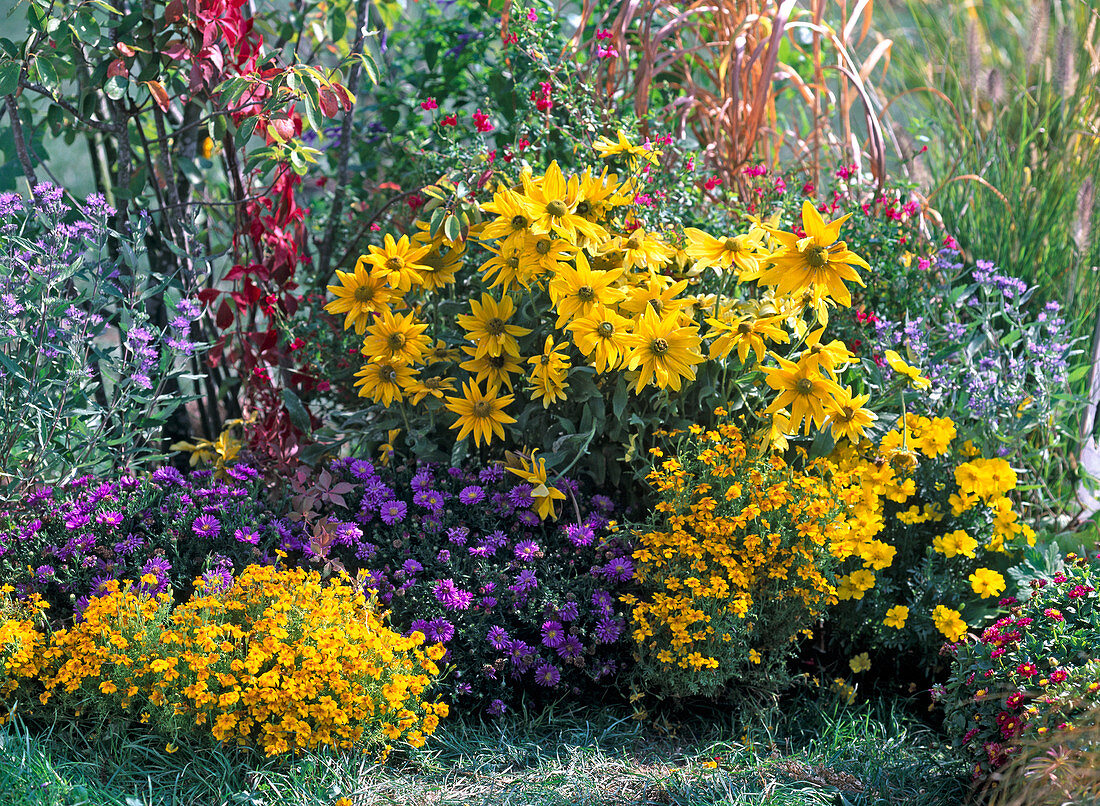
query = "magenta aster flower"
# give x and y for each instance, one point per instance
(552, 634)
(527, 550)
(206, 526)
(547, 675)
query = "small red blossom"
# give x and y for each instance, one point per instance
(1058, 676)
(416, 201)
(429, 104)
(808, 189)
(481, 122)
(1027, 669)
(449, 120)
(712, 183)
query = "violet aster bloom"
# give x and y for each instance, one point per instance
(519, 653)
(422, 481)
(552, 634)
(451, 596)
(490, 474)
(246, 534)
(620, 569)
(608, 630)
(528, 518)
(496, 708)
(458, 535)
(431, 500)
(129, 545)
(206, 526)
(394, 512)
(440, 631)
(218, 580)
(412, 567)
(362, 469)
(603, 502)
(525, 581)
(443, 556)
(471, 495)
(547, 675)
(579, 534)
(602, 601)
(527, 550)
(571, 648)
(488, 602)
(569, 611)
(480, 551)
(498, 638)
(520, 495)
(109, 518)
(497, 539)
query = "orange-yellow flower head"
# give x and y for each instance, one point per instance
(663, 350)
(480, 414)
(802, 390)
(359, 295)
(398, 261)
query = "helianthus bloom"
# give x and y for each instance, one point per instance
(534, 473)
(438, 268)
(396, 339)
(548, 373)
(738, 251)
(596, 195)
(497, 369)
(431, 386)
(745, 333)
(817, 262)
(513, 221)
(896, 616)
(640, 250)
(359, 295)
(801, 389)
(442, 351)
(664, 350)
(847, 416)
(488, 326)
(603, 337)
(383, 382)
(607, 148)
(480, 414)
(544, 253)
(509, 267)
(916, 380)
(578, 291)
(830, 355)
(398, 261)
(552, 206)
(657, 292)
(986, 583)
(778, 430)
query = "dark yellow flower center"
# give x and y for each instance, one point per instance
(495, 361)
(387, 374)
(542, 246)
(433, 383)
(817, 256)
(817, 348)
(585, 293)
(605, 329)
(556, 208)
(519, 222)
(584, 208)
(633, 244)
(512, 262)
(364, 293)
(657, 304)
(744, 327)
(495, 326)
(395, 341)
(544, 360)
(395, 264)
(733, 245)
(441, 353)
(659, 346)
(849, 413)
(804, 386)
(482, 409)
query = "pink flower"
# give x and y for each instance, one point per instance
(1058, 676)
(449, 120)
(1027, 669)
(481, 122)
(712, 183)
(532, 16)
(429, 104)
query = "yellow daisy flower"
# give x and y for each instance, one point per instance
(847, 416)
(578, 291)
(398, 261)
(488, 326)
(548, 373)
(916, 380)
(396, 339)
(803, 390)
(497, 369)
(480, 414)
(359, 295)
(603, 337)
(383, 382)
(664, 350)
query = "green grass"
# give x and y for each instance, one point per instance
(817, 752)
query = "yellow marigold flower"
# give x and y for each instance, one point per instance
(936, 437)
(548, 373)
(398, 262)
(877, 555)
(949, 622)
(847, 416)
(480, 414)
(602, 336)
(987, 583)
(860, 663)
(663, 350)
(803, 390)
(738, 251)
(383, 382)
(819, 262)
(396, 339)
(576, 292)
(755, 656)
(488, 326)
(552, 206)
(916, 380)
(896, 617)
(359, 295)
(745, 333)
(432, 386)
(496, 369)
(533, 471)
(955, 543)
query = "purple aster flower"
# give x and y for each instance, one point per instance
(246, 534)
(109, 518)
(168, 475)
(471, 495)
(44, 572)
(394, 512)
(497, 539)
(443, 556)
(440, 631)
(527, 517)
(431, 500)
(496, 708)
(76, 520)
(602, 601)
(488, 602)
(451, 596)
(608, 630)
(498, 638)
(490, 474)
(579, 534)
(520, 495)
(603, 502)
(458, 535)
(620, 569)
(361, 469)
(571, 648)
(552, 634)
(569, 611)
(365, 550)
(242, 472)
(412, 567)
(422, 481)
(206, 526)
(218, 581)
(520, 654)
(421, 626)
(547, 675)
(527, 550)
(480, 551)
(129, 545)
(525, 581)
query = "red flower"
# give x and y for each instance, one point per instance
(1027, 669)
(481, 122)
(449, 120)
(1058, 676)
(429, 104)
(712, 183)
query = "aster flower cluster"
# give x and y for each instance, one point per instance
(1033, 675)
(997, 363)
(69, 542)
(522, 604)
(74, 296)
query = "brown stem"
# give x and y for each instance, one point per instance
(20, 142)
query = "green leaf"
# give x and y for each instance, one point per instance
(9, 77)
(298, 414)
(115, 87)
(244, 133)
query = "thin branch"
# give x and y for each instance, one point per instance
(20, 143)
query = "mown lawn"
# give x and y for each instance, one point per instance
(818, 752)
